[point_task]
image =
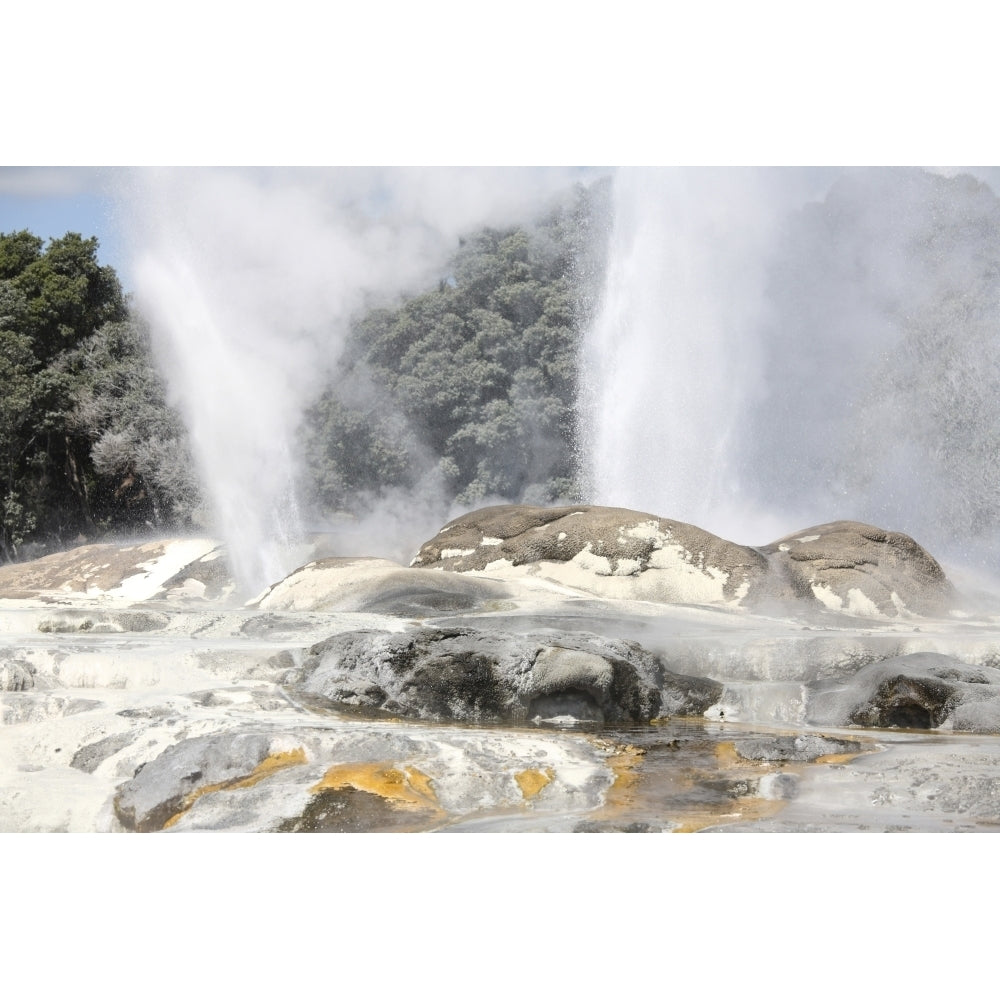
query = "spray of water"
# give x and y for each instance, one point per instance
(772, 348)
(671, 361)
(250, 279)
(777, 348)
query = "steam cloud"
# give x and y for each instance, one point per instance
(780, 348)
(250, 278)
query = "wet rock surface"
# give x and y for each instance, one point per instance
(360, 695)
(804, 747)
(947, 784)
(487, 676)
(917, 691)
(357, 778)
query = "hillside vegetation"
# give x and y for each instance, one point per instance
(87, 442)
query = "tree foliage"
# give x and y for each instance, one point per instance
(473, 379)
(476, 377)
(82, 412)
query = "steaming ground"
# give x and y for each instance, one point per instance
(752, 342)
(117, 662)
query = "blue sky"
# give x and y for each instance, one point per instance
(52, 201)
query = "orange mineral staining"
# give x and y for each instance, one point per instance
(532, 781)
(406, 788)
(267, 767)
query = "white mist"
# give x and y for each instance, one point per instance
(250, 278)
(777, 348)
(671, 360)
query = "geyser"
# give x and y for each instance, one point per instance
(670, 360)
(772, 348)
(777, 348)
(250, 279)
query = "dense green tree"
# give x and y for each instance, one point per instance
(144, 473)
(17, 364)
(68, 295)
(86, 440)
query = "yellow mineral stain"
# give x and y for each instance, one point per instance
(727, 755)
(268, 766)
(747, 809)
(838, 758)
(532, 781)
(625, 768)
(629, 796)
(276, 762)
(624, 762)
(626, 790)
(407, 788)
(421, 784)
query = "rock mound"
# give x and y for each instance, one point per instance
(844, 566)
(859, 569)
(491, 676)
(130, 572)
(609, 551)
(378, 586)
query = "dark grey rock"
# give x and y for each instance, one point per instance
(918, 691)
(805, 747)
(155, 712)
(165, 787)
(604, 826)
(211, 571)
(489, 676)
(91, 756)
(348, 810)
(139, 620)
